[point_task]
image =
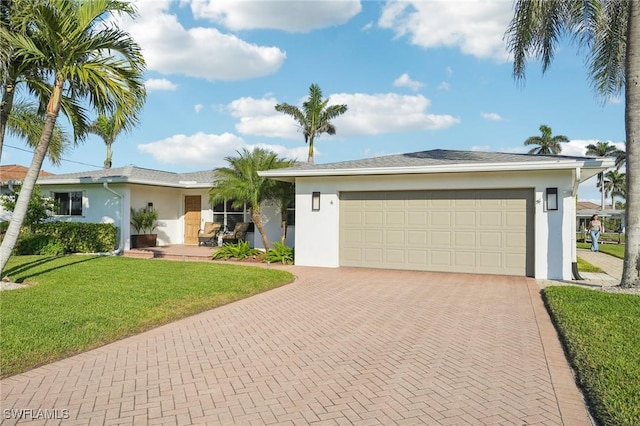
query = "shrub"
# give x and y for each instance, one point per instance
(41, 244)
(81, 237)
(279, 253)
(144, 220)
(239, 251)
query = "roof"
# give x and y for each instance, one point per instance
(587, 205)
(133, 174)
(443, 161)
(17, 172)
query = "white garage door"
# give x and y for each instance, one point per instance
(479, 231)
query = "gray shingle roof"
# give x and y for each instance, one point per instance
(432, 158)
(135, 174)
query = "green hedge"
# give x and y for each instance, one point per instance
(72, 237)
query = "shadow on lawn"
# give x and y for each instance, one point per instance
(25, 267)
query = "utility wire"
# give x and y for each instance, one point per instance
(62, 159)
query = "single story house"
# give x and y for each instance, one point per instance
(585, 211)
(441, 210)
(181, 199)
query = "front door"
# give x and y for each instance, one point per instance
(192, 215)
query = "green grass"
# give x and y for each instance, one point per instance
(600, 331)
(616, 250)
(76, 303)
(584, 266)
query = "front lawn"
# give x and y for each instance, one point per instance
(75, 303)
(600, 332)
(616, 250)
(584, 266)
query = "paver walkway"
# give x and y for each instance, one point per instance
(338, 346)
(611, 265)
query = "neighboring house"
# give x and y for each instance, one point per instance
(586, 209)
(440, 210)
(181, 199)
(11, 175)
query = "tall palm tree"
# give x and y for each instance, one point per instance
(240, 183)
(26, 122)
(601, 149)
(621, 158)
(108, 128)
(315, 116)
(609, 30)
(547, 144)
(79, 54)
(615, 184)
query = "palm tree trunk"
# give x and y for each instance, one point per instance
(601, 181)
(29, 182)
(5, 109)
(107, 162)
(631, 265)
(256, 216)
(310, 157)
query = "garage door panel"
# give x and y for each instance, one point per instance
(482, 231)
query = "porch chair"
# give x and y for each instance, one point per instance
(209, 235)
(238, 234)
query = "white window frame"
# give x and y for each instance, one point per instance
(70, 206)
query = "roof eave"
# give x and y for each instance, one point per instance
(600, 164)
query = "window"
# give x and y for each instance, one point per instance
(291, 213)
(228, 216)
(69, 203)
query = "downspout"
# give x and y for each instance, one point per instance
(120, 248)
(574, 243)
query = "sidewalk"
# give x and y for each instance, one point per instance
(611, 265)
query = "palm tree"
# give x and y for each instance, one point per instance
(240, 183)
(547, 145)
(621, 158)
(601, 149)
(108, 129)
(78, 53)
(610, 31)
(26, 122)
(614, 184)
(315, 117)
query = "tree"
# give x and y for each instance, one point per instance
(601, 149)
(315, 116)
(610, 31)
(78, 53)
(547, 145)
(108, 128)
(285, 195)
(614, 184)
(40, 207)
(621, 158)
(26, 122)
(240, 183)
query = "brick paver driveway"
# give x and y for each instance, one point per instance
(339, 346)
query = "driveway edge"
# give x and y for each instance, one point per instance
(571, 402)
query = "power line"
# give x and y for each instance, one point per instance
(62, 159)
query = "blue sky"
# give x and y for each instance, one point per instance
(415, 75)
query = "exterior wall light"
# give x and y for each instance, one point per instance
(315, 201)
(552, 198)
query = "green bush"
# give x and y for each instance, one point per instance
(238, 251)
(279, 253)
(81, 237)
(41, 244)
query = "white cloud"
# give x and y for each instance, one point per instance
(481, 148)
(198, 107)
(491, 116)
(157, 84)
(444, 86)
(201, 52)
(476, 27)
(290, 16)
(208, 150)
(405, 81)
(366, 115)
(578, 147)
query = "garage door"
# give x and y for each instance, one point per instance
(479, 231)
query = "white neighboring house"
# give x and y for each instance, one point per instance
(181, 199)
(441, 210)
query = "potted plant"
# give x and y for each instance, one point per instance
(144, 221)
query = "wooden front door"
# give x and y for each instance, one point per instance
(192, 215)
